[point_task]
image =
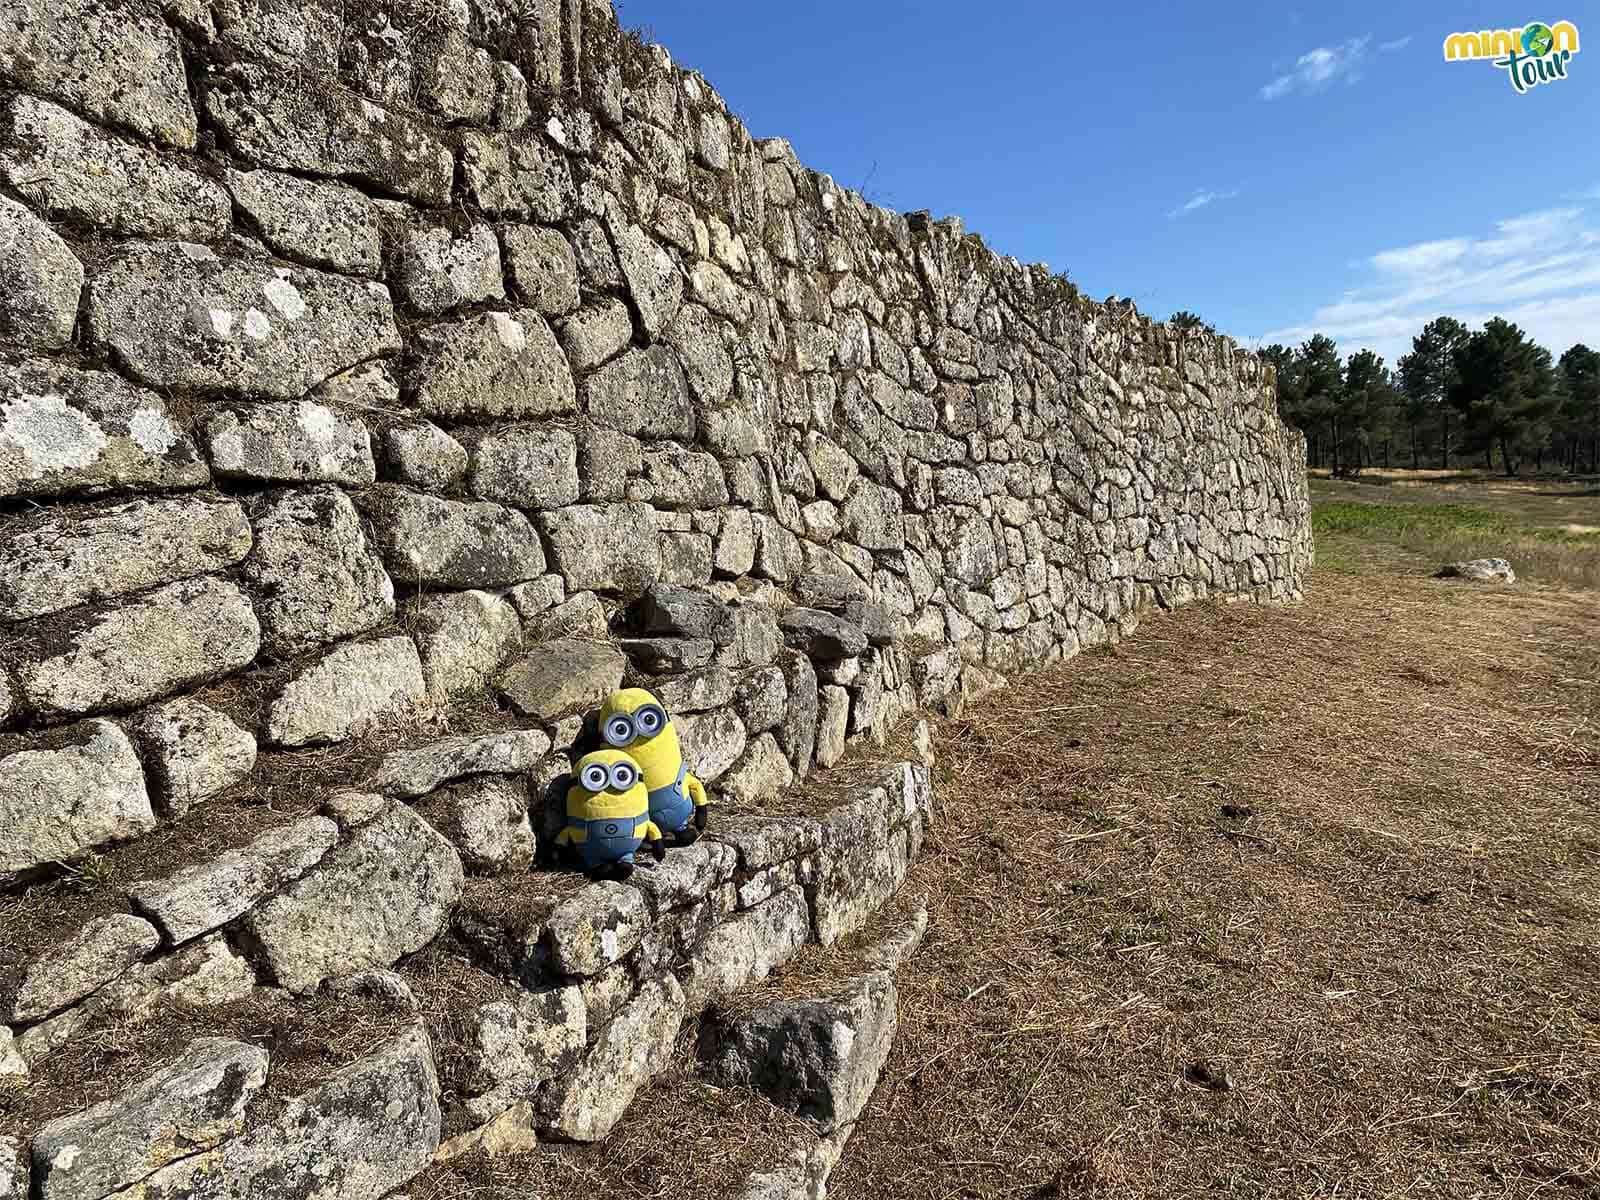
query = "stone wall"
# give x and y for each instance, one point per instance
(377, 371)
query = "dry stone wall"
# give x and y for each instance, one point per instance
(367, 367)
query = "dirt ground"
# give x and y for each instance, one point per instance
(1268, 901)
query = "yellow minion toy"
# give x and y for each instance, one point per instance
(634, 720)
(608, 815)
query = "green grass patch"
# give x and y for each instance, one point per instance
(1429, 522)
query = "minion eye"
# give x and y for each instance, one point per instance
(619, 731)
(623, 776)
(594, 777)
(651, 720)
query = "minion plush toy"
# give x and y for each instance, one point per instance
(634, 721)
(608, 816)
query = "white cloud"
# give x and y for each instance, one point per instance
(1540, 269)
(1317, 69)
(1397, 44)
(1200, 199)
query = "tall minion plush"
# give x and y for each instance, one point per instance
(634, 720)
(608, 815)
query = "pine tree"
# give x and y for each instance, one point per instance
(1506, 391)
(1580, 380)
(1426, 376)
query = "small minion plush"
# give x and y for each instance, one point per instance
(608, 815)
(635, 721)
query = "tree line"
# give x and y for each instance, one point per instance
(1459, 398)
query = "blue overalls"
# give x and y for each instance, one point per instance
(670, 806)
(609, 840)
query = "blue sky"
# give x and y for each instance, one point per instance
(1277, 170)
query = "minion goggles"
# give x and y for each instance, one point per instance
(622, 730)
(619, 777)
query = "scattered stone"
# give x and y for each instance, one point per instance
(372, 1127)
(498, 366)
(192, 753)
(438, 271)
(510, 1133)
(354, 809)
(585, 1104)
(175, 315)
(430, 542)
(312, 221)
(462, 638)
(119, 657)
(67, 558)
(384, 894)
(1479, 570)
(101, 950)
(688, 875)
(65, 430)
(347, 692)
(191, 1105)
(414, 773)
(562, 677)
(603, 547)
(43, 279)
(820, 1059)
(760, 774)
(761, 842)
(487, 819)
(596, 927)
(312, 575)
(201, 898)
(542, 268)
(70, 171)
(425, 457)
(294, 442)
(524, 467)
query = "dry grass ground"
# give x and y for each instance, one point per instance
(1296, 901)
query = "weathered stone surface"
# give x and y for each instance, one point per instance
(872, 517)
(562, 677)
(510, 1133)
(685, 479)
(586, 1104)
(42, 278)
(751, 637)
(487, 819)
(370, 385)
(524, 467)
(541, 267)
(388, 990)
(698, 338)
(101, 950)
(70, 171)
(57, 805)
(667, 656)
(413, 773)
(514, 1046)
(429, 542)
(294, 442)
(299, 122)
(653, 278)
(463, 638)
(761, 700)
(438, 270)
(424, 456)
(603, 547)
(712, 742)
(832, 592)
(798, 733)
(120, 657)
(207, 896)
(892, 951)
(188, 1106)
(644, 393)
(697, 691)
(343, 695)
(369, 1129)
(312, 575)
(384, 894)
(1480, 570)
(137, 81)
(538, 596)
(833, 720)
(597, 333)
(579, 616)
(192, 753)
(12, 1066)
(312, 221)
(520, 177)
(65, 430)
(864, 857)
(596, 927)
(821, 634)
(175, 315)
(494, 367)
(64, 559)
(761, 772)
(667, 610)
(820, 1059)
(688, 875)
(736, 544)
(747, 947)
